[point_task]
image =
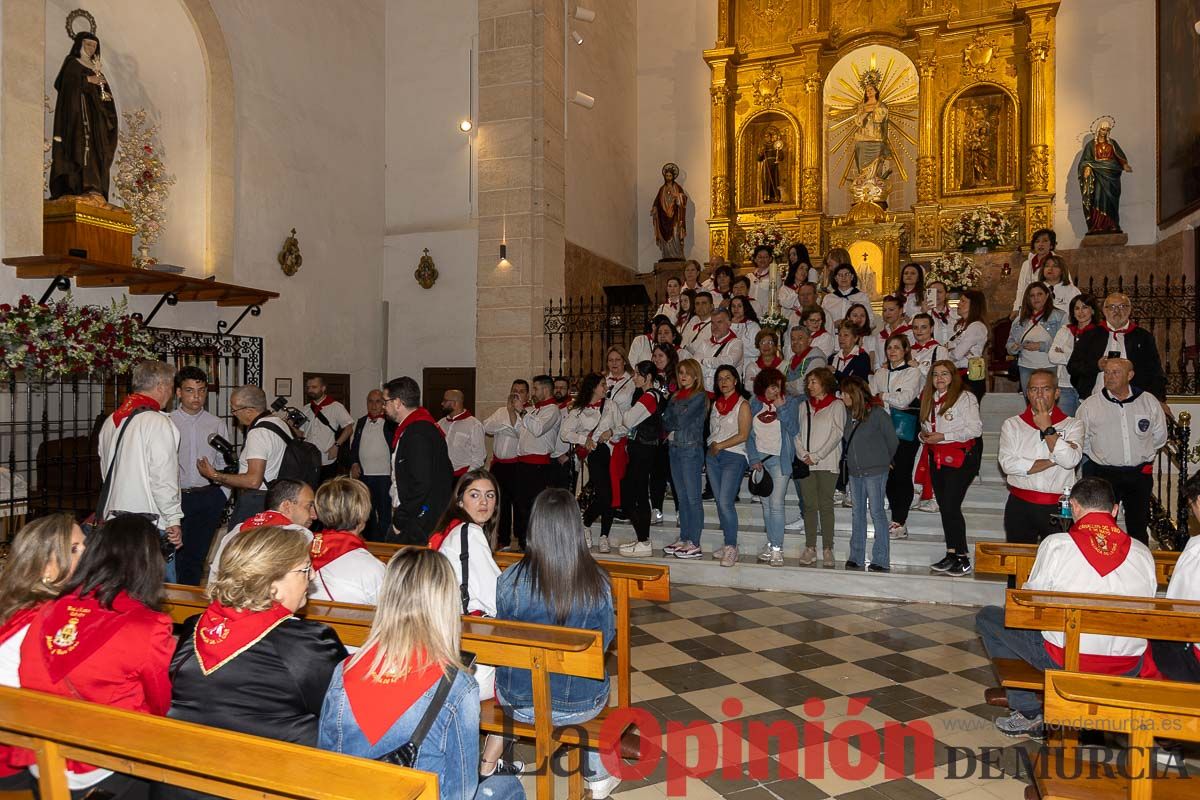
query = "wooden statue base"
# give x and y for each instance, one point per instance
(1104, 240)
(70, 224)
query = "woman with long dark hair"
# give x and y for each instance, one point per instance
(969, 339)
(472, 513)
(665, 333)
(643, 422)
(588, 427)
(683, 421)
(721, 284)
(898, 385)
(666, 361)
(744, 323)
(729, 428)
(687, 302)
(911, 289)
(1084, 315)
(670, 307)
(1034, 330)
(558, 583)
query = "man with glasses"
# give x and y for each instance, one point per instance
(261, 455)
(1039, 451)
(1118, 336)
(289, 504)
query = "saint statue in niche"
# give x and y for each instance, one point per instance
(872, 157)
(1100, 168)
(668, 215)
(85, 125)
(771, 156)
(979, 150)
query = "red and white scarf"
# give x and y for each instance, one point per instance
(223, 633)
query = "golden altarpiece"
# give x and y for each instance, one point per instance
(874, 124)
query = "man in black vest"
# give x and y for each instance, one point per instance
(422, 478)
(371, 463)
(1117, 337)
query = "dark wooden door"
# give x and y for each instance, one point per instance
(337, 386)
(436, 380)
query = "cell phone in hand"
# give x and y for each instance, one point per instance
(1114, 353)
(931, 298)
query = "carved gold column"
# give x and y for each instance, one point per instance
(721, 200)
(810, 173)
(926, 239)
(1039, 173)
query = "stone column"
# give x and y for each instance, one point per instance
(22, 115)
(520, 161)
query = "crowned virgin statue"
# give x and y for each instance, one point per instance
(85, 126)
(1100, 168)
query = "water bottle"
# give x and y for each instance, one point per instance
(1064, 507)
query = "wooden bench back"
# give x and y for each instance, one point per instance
(1003, 558)
(185, 754)
(1077, 614)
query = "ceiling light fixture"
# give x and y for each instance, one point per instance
(583, 99)
(466, 125)
(577, 37)
(584, 14)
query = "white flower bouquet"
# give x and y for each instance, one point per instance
(768, 234)
(956, 270)
(982, 227)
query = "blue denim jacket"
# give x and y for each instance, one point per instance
(517, 600)
(450, 749)
(789, 420)
(686, 419)
(1016, 334)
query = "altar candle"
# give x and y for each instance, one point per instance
(773, 289)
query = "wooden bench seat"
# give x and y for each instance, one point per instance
(1014, 673)
(184, 754)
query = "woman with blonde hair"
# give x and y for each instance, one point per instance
(410, 668)
(343, 568)
(248, 664)
(683, 422)
(618, 380)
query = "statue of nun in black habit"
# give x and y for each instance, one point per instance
(85, 125)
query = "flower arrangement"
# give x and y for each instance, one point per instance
(143, 182)
(956, 270)
(774, 321)
(64, 340)
(768, 234)
(981, 227)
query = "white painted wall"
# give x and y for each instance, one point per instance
(152, 60)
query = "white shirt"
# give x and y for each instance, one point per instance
(960, 422)
(482, 571)
(725, 426)
(695, 328)
(194, 430)
(620, 391)
(670, 310)
(926, 354)
(768, 436)
(1060, 354)
(505, 440)
(464, 441)
(641, 349)
(1185, 579)
(1062, 294)
(1061, 567)
(536, 429)
(266, 446)
(746, 331)
(146, 477)
(319, 434)
(1024, 278)
(750, 369)
(1116, 344)
(712, 354)
(824, 341)
(1122, 434)
(897, 387)
(1021, 444)
(374, 450)
(837, 306)
(943, 323)
(580, 423)
(214, 567)
(967, 343)
(353, 577)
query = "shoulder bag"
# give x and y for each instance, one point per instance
(406, 754)
(106, 486)
(844, 461)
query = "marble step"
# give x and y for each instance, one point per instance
(986, 494)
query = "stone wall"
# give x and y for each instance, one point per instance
(586, 273)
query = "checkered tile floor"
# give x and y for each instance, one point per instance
(773, 651)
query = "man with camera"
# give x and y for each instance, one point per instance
(328, 425)
(267, 438)
(202, 501)
(139, 458)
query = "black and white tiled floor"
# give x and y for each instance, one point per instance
(800, 659)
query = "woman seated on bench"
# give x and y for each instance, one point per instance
(247, 664)
(344, 571)
(409, 668)
(40, 561)
(557, 583)
(104, 641)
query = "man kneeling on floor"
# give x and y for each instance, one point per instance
(1094, 557)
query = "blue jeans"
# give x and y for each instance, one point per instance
(725, 471)
(869, 490)
(1068, 400)
(773, 505)
(593, 767)
(686, 466)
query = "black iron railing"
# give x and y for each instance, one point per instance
(579, 332)
(1169, 512)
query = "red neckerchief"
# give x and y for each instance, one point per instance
(419, 415)
(76, 627)
(886, 334)
(377, 701)
(817, 405)
(132, 402)
(1056, 416)
(328, 546)
(798, 358)
(1035, 261)
(1101, 541)
(767, 414)
(438, 539)
(1036, 318)
(1128, 327)
(917, 346)
(18, 620)
(778, 360)
(222, 633)
(265, 518)
(726, 404)
(548, 402)
(684, 394)
(324, 402)
(459, 416)
(1076, 330)
(564, 404)
(943, 316)
(596, 404)
(843, 358)
(821, 332)
(729, 337)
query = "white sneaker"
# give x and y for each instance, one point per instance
(765, 553)
(897, 531)
(755, 499)
(795, 525)
(637, 550)
(601, 789)
(587, 536)
(928, 506)
(604, 546)
(776, 557)
(847, 500)
(670, 549)
(838, 497)
(658, 517)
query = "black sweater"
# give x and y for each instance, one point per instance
(1140, 348)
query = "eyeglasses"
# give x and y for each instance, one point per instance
(307, 571)
(1117, 307)
(239, 408)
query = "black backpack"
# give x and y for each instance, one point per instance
(301, 459)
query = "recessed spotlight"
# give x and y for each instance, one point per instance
(466, 125)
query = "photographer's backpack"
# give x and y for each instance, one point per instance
(301, 459)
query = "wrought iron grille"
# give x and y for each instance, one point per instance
(579, 332)
(49, 429)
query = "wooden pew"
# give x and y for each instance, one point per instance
(1137, 707)
(1003, 558)
(185, 754)
(630, 580)
(542, 649)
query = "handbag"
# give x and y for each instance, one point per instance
(905, 423)
(844, 461)
(761, 483)
(406, 754)
(977, 368)
(951, 454)
(800, 470)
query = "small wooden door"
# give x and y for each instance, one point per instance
(337, 386)
(436, 380)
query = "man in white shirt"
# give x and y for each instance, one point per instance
(371, 463)
(464, 434)
(697, 328)
(262, 453)
(561, 457)
(1124, 428)
(1094, 557)
(142, 468)
(1039, 451)
(1180, 661)
(506, 443)
(203, 502)
(722, 347)
(329, 424)
(289, 504)
(537, 432)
